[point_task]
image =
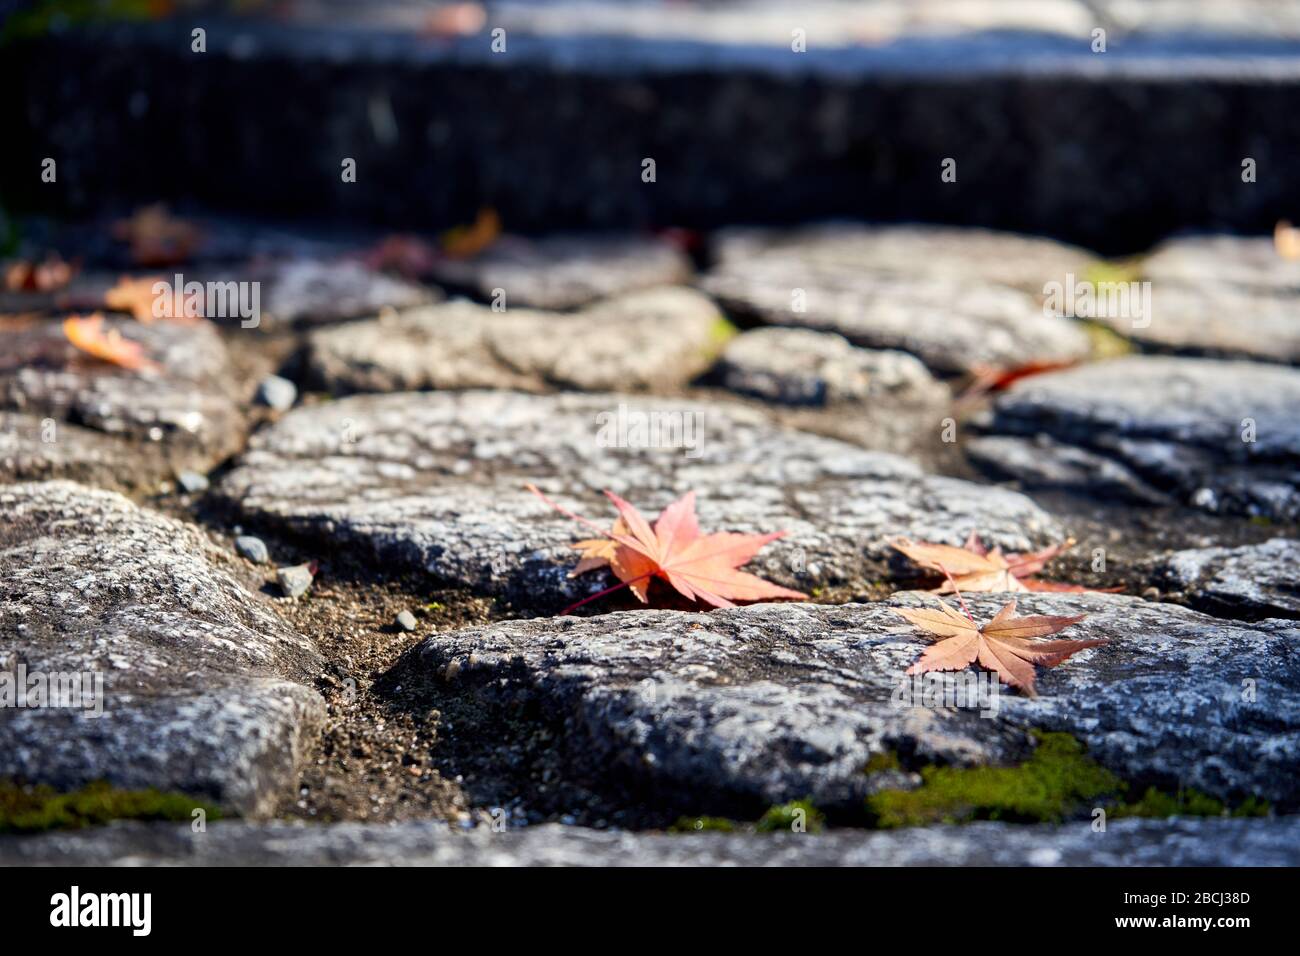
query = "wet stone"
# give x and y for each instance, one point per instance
(434, 481)
(1256, 580)
(202, 685)
(734, 710)
(948, 297)
(657, 338)
(1221, 436)
(565, 271)
(66, 414)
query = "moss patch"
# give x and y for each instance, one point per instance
(700, 824)
(1049, 786)
(1056, 783)
(797, 816)
(31, 809)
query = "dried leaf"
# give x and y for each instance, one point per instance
(975, 568)
(465, 242)
(136, 298)
(703, 567)
(88, 334)
(1004, 645)
(1286, 240)
(48, 275)
(156, 237)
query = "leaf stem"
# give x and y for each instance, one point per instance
(566, 512)
(957, 591)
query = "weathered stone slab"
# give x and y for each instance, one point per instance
(435, 481)
(655, 338)
(566, 271)
(880, 399)
(1256, 580)
(316, 291)
(1248, 262)
(746, 707)
(67, 414)
(200, 689)
(1222, 436)
(955, 299)
(1179, 842)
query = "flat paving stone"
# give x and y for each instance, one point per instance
(659, 338)
(881, 399)
(434, 481)
(1255, 580)
(66, 414)
(1179, 425)
(566, 271)
(201, 689)
(306, 292)
(734, 710)
(957, 299)
(1177, 842)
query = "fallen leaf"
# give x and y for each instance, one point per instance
(135, 296)
(454, 20)
(987, 379)
(48, 275)
(465, 242)
(974, 567)
(156, 237)
(88, 334)
(409, 256)
(700, 567)
(1286, 240)
(1004, 645)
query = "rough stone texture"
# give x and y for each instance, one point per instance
(199, 677)
(1041, 462)
(654, 338)
(566, 271)
(940, 294)
(1176, 424)
(434, 481)
(738, 709)
(1245, 262)
(1219, 295)
(879, 399)
(111, 425)
(1256, 580)
(1179, 842)
(314, 291)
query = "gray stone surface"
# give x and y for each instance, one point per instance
(314, 291)
(1041, 462)
(1179, 842)
(652, 338)
(817, 381)
(66, 414)
(201, 689)
(435, 481)
(566, 271)
(1220, 295)
(743, 708)
(1256, 580)
(1175, 424)
(946, 296)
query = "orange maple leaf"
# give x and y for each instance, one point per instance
(88, 334)
(1004, 645)
(157, 238)
(701, 567)
(136, 297)
(974, 567)
(49, 275)
(465, 242)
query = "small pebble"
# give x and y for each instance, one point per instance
(192, 483)
(295, 581)
(1151, 594)
(406, 621)
(277, 393)
(254, 549)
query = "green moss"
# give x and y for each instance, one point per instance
(699, 824)
(722, 331)
(882, 762)
(787, 816)
(1121, 270)
(30, 809)
(1103, 341)
(1187, 803)
(1052, 784)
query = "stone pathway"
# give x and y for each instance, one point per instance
(425, 651)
